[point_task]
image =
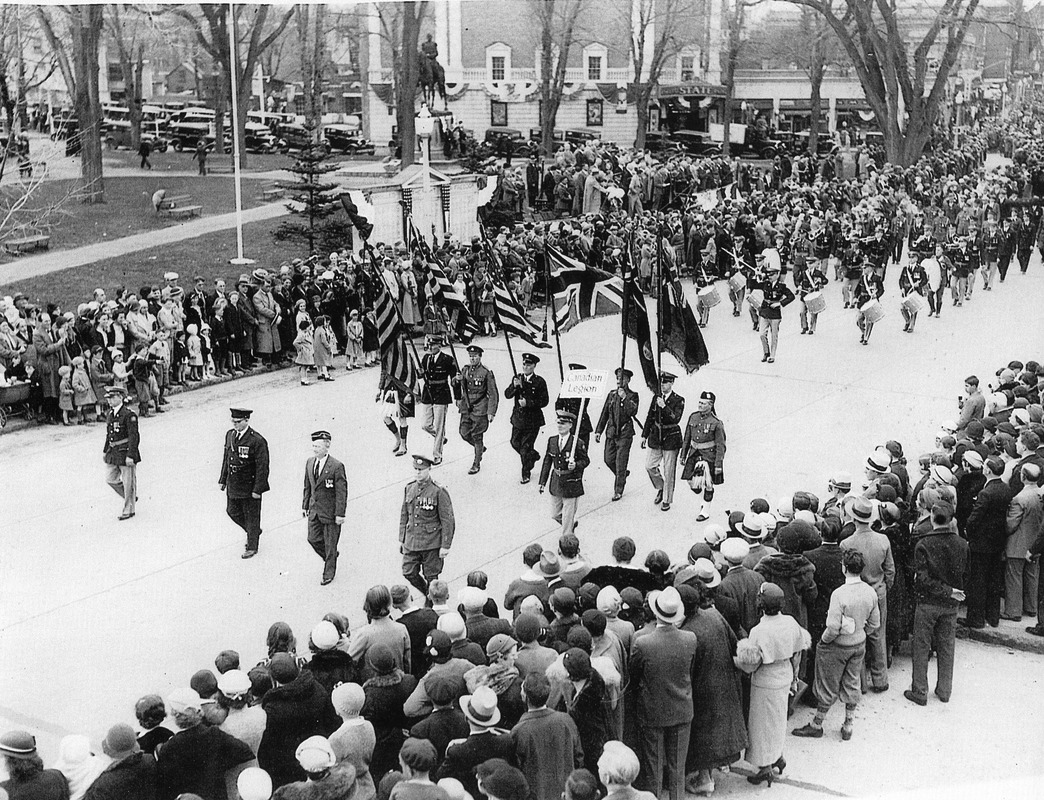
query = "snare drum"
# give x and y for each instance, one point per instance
(815, 302)
(738, 282)
(756, 297)
(872, 311)
(913, 303)
(708, 297)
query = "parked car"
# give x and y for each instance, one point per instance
(766, 147)
(298, 137)
(500, 139)
(696, 143)
(348, 139)
(257, 138)
(660, 142)
(797, 143)
(579, 137)
(120, 136)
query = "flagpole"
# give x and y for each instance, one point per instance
(554, 314)
(626, 269)
(507, 338)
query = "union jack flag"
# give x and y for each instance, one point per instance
(580, 292)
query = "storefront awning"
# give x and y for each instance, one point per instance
(691, 89)
(803, 104)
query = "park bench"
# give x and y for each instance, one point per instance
(26, 244)
(181, 212)
(220, 169)
(167, 203)
(271, 191)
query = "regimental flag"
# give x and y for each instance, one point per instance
(679, 332)
(636, 325)
(397, 361)
(580, 292)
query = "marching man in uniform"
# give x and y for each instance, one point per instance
(566, 470)
(426, 527)
(244, 477)
(437, 368)
(478, 403)
(617, 421)
(663, 438)
(703, 452)
(529, 392)
(121, 449)
(324, 503)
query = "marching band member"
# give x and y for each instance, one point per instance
(810, 281)
(869, 287)
(777, 294)
(912, 280)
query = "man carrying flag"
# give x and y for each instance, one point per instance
(529, 391)
(663, 437)
(617, 422)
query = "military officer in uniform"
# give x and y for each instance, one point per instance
(703, 452)
(244, 477)
(529, 392)
(121, 449)
(617, 422)
(663, 438)
(478, 403)
(777, 295)
(324, 503)
(426, 527)
(574, 405)
(437, 370)
(565, 467)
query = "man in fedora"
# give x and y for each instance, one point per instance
(661, 671)
(879, 572)
(484, 740)
(529, 391)
(247, 313)
(324, 503)
(121, 449)
(244, 477)
(437, 372)
(565, 462)
(663, 437)
(617, 422)
(754, 528)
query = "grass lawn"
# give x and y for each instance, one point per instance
(204, 255)
(128, 210)
(255, 162)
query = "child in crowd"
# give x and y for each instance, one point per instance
(84, 398)
(180, 358)
(195, 353)
(305, 345)
(100, 374)
(370, 340)
(65, 393)
(120, 376)
(323, 344)
(354, 351)
(209, 367)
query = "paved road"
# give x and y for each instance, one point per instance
(95, 612)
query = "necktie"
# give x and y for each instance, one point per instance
(315, 471)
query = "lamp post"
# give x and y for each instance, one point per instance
(958, 101)
(425, 127)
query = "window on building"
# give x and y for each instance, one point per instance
(353, 104)
(114, 72)
(499, 68)
(594, 68)
(688, 68)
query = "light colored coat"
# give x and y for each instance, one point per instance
(267, 335)
(1025, 517)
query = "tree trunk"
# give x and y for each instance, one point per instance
(86, 25)
(406, 88)
(816, 78)
(642, 93)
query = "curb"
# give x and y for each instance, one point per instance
(1024, 642)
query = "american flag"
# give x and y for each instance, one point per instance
(443, 289)
(580, 292)
(510, 314)
(397, 361)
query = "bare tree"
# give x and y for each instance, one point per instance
(557, 25)
(400, 27)
(734, 20)
(82, 29)
(311, 33)
(214, 40)
(126, 31)
(31, 212)
(905, 100)
(668, 19)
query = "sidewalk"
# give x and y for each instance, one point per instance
(1008, 634)
(34, 266)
